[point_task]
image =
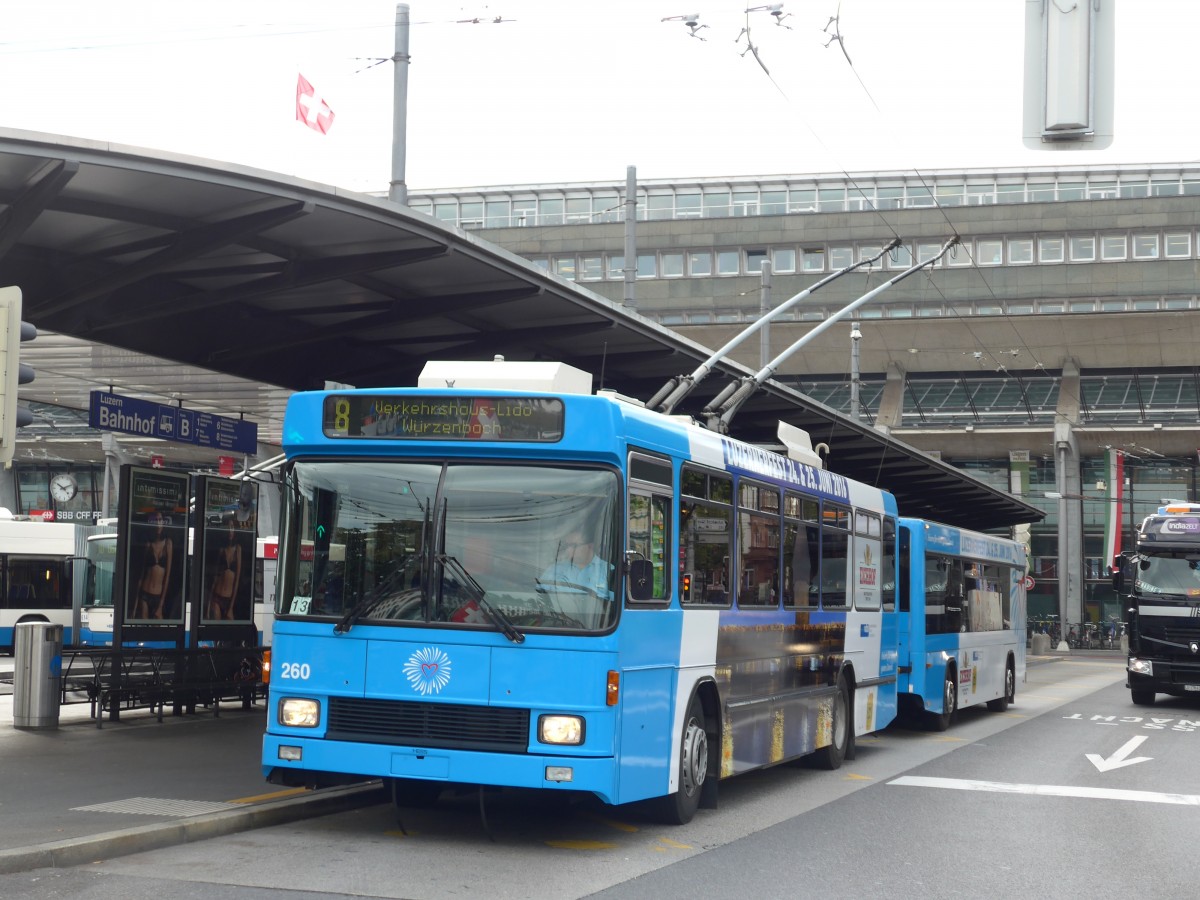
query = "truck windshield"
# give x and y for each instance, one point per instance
(1166, 575)
(413, 542)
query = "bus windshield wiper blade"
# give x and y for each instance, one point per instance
(479, 595)
(372, 598)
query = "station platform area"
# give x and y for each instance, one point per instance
(77, 793)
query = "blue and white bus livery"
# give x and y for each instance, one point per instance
(749, 616)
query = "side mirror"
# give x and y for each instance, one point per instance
(641, 580)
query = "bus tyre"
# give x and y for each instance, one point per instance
(1010, 690)
(1142, 697)
(412, 793)
(831, 756)
(941, 721)
(679, 807)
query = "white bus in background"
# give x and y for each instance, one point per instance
(96, 610)
(37, 563)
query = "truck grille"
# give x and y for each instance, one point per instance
(444, 725)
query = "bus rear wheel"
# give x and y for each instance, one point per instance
(830, 756)
(1010, 690)
(679, 808)
(941, 721)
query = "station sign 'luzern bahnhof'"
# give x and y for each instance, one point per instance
(113, 412)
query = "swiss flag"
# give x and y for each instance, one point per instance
(311, 108)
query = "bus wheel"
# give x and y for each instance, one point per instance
(1010, 690)
(1142, 698)
(941, 721)
(679, 807)
(831, 756)
(412, 793)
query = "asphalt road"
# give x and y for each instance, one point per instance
(984, 824)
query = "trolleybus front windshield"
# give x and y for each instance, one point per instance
(380, 541)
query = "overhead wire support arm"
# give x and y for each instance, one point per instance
(677, 388)
(725, 405)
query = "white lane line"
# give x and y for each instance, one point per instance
(1047, 790)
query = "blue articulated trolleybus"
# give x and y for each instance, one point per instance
(962, 620)
(514, 582)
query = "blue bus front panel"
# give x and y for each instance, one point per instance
(443, 705)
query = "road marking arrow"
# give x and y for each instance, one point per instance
(1118, 759)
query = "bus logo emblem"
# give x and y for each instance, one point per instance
(428, 670)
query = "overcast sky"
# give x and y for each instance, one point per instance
(577, 90)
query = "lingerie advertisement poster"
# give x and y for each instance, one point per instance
(156, 546)
(230, 529)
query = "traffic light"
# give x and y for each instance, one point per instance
(12, 372)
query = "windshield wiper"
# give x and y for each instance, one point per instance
(479, 595)
(372, 598)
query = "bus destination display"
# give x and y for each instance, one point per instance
(442, 418)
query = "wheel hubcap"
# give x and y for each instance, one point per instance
(694, 765)
(949, 699)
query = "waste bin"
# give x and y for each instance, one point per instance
(37, 674)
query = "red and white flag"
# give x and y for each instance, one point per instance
(311, 108)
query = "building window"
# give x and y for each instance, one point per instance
(728, 262)
(1113, 246)
(927, 252)
(783, 259)
(919, 197)
(745, 203)
(803, 200)
(1051, 250)
(754, 261)
(840, 257)
(607, 208)
(564, 267)
(1145, 246)
(647, 265)
(773, 203)
(1040, 191)
(591, 268)
(831, 200)
(959, 255)
(671, 265)
(981, 194)
(900, 257)
(616, 268)
(699, 264)
(889, 197)
(716, 204)
(1178, 245)
(660, 207)
(989, 253)
(1083, 249)
(688, 206)
(498, 214)
(551, 212)
(525, 212)
(579, 210)
(1020, 251)
(814, 259)
(865, 253)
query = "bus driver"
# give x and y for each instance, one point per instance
(577, 566)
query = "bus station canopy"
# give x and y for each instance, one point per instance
(224, 288)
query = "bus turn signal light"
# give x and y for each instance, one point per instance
(613, 694)
(266, 667)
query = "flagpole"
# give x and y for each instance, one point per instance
(398, 191)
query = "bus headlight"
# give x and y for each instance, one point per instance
(560, 729)
(296, 712)
(1140, 666)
